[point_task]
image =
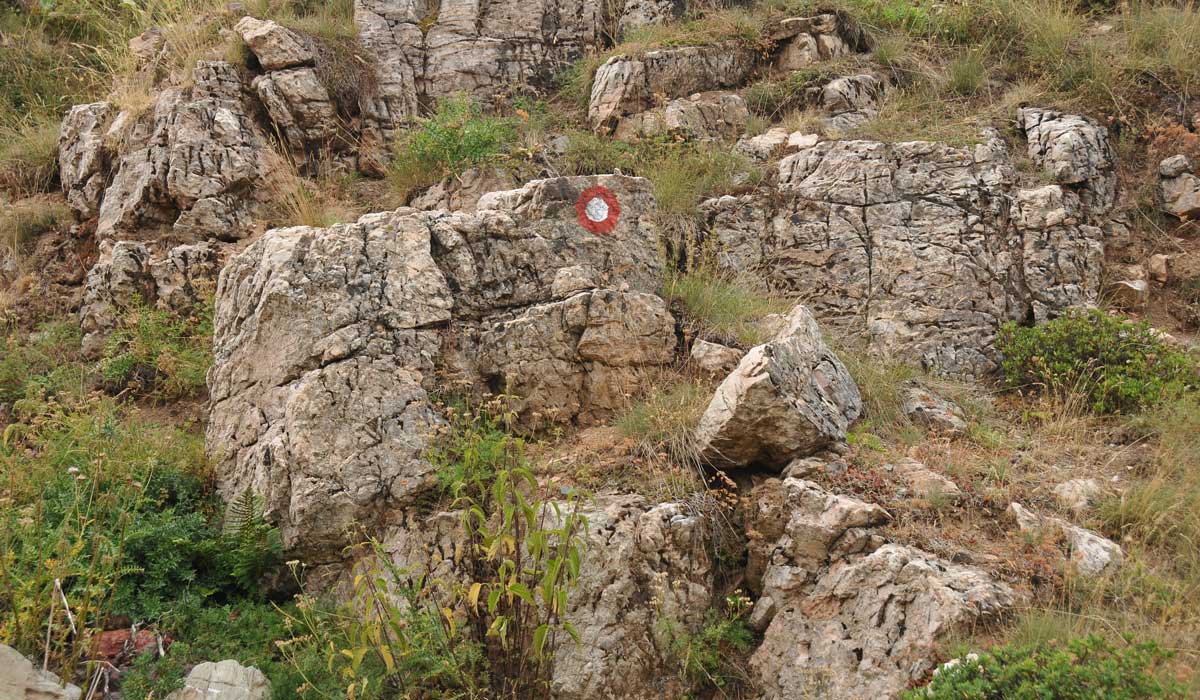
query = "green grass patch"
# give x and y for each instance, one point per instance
(723, 307)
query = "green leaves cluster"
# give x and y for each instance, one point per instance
(159, 353)
(1115, 365)
(1083, 669)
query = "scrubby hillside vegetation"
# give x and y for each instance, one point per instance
(381, 349)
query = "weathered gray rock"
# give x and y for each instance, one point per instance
(314, 325)
(300, 107)
(700, 116)
(923, 248)
(1073, 150)
(715, 358)
(788, 398)
(119, 280)
(636, 14)
(128, 275)
(19, 680)
(764, 146)
(424, 51)
(1077, 495)
(808, 40)
(194, 149)
(928, 409)
(626, 85)
(462, 193)
(870, 625)
(924, 482)
(224, 680)
(82, 156)
(276, 47)
(1179, 187)
(643, 564)
(851, 101)
(1091, 554)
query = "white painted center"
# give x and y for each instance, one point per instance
(596, 210)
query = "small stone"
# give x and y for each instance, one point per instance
(762, 614)
(1159, 267)
(929, 409)
(146, 45)
(763, 146)
(224, 680)
(715, 358)
(1077, 495)
(800, 140)
(925, 482)
(1091, 554)
(274, 45)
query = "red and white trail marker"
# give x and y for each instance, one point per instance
(597, 210)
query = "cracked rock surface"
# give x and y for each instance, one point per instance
(922, 247)
(327, 341)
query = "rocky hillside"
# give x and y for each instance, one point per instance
(638, 349)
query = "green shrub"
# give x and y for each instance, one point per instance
(712, 657)
(1085, 669)
(159, 353)
(1115, 365)
(457, 136)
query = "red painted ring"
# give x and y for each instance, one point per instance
(606, 225)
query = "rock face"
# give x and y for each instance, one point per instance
(715, 358)
(1091, 554)
(1179, 187)
(224, 680)
(19, 680)
(924, 248)
(425, 51)
(869, 625)
(845, 615)
(127, 275)
(700, 116)
(316, 325)
(643, 563)
(190, 165)
(788, 398)
(851, 101)
(1074, 151)
(627, 85)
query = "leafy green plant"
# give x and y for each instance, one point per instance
(1083, 668)
(457, 136)
(713, 656)
(253, 546)
(159, 353)
(1114, 364)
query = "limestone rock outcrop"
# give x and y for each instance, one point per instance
(327, 342)
(869, 626)
(1091, 554)
(424, 51)
(193, 164)
(788, 398)
(1073, 151)
(699, 116)
(922, 247)
(845, 615)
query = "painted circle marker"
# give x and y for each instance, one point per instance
(597, 210)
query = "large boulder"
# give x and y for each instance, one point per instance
(1072, 150)
(788, 398)
(870, 625)
(19, 680)
(923, 248)
(424, 51)
(314, 325)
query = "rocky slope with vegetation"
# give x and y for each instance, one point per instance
(645, 349)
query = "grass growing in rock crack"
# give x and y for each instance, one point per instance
(661, 424)
(721, 307)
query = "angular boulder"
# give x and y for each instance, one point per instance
(1179, 187)
(700, 116)
(922, 248)
(275, 46)
(1072, 150)
(788, 398)
(1090, 553)
(870, 625)
(314, 326)
(927, 408)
